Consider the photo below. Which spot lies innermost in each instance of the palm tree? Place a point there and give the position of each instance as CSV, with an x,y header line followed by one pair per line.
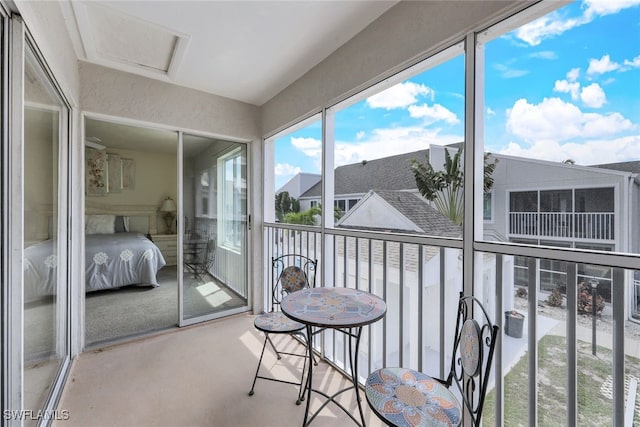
x,y
445,188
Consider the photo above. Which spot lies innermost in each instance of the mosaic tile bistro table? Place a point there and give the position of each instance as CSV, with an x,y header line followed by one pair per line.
x,y
343,309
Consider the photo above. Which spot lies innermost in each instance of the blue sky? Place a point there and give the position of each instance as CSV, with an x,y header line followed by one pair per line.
x,y
565,86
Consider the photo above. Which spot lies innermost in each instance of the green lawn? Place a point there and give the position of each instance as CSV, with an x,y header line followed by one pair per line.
x,y
594,408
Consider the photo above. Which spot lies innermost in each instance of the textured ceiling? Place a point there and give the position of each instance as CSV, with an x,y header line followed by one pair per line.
x,y
244,50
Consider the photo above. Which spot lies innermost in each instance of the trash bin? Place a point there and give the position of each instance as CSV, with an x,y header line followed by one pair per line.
x,y
513,323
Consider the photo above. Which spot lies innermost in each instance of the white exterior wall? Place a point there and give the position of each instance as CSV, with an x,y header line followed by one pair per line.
x,y
520,174
513,174
299,184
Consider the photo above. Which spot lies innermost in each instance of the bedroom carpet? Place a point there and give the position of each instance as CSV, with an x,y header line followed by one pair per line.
x,y
132,310
119,313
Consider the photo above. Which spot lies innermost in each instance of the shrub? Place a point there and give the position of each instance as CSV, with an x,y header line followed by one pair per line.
x,y
521,292
555,298
585,299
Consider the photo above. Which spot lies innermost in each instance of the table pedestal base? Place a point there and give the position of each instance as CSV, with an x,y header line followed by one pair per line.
x,y
353,365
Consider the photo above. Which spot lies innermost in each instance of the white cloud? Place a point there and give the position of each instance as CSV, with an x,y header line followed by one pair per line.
x,y
391,141
507,72
593,96
602,65
634,63
285,169
432,114
490,112
565,87
399,96
545,54
573,74
360,134
555,23
545,27
588,153
556,120
595,8
311,147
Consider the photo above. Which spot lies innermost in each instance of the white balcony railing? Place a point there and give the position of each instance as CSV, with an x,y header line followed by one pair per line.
x,y
579,225
408,275
419,277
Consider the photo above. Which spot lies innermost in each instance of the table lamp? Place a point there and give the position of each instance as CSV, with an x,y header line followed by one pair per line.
x,y
169,208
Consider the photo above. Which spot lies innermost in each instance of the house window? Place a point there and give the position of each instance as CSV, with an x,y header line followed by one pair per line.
x,y
204,192
595,200
231,199
487,211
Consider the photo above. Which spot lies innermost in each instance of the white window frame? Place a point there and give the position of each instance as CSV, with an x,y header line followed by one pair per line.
x,y
225,213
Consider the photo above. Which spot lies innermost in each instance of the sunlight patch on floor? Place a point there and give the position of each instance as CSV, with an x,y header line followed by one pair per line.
x,y
213,294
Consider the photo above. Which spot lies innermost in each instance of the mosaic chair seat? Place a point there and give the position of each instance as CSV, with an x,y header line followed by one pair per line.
x,y
405,397
289,273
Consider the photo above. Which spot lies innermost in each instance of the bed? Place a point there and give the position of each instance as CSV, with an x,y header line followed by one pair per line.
x,y
117,253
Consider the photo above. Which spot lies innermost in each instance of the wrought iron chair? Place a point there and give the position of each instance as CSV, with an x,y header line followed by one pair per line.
x,y
404,397
289,273
199,258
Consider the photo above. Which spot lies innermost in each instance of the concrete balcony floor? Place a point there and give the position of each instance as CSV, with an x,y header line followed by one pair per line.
x,y
197,376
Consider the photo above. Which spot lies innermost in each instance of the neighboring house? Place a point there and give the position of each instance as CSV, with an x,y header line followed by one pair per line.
x,y
353,181
400,211
584,207
300,183
562,204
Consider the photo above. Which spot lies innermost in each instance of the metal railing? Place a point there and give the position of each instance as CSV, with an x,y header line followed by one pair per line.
x,y
578,225
419,277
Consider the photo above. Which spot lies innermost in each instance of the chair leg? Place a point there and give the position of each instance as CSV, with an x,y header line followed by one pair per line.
x,y
274,348
304,382
303,390
264,345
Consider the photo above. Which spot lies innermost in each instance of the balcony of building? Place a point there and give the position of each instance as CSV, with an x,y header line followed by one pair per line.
x,y
579,225
560,363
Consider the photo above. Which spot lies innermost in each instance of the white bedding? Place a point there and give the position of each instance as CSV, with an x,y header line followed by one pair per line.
x,y
111,261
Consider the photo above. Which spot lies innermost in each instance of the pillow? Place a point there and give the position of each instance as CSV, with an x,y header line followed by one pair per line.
x,y
121,224
100,224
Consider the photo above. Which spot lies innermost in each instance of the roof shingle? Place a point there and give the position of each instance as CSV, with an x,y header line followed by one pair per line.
x,y
390,173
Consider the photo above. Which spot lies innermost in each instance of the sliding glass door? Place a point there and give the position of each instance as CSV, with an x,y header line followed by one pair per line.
x,y
131,187
45,341
214,224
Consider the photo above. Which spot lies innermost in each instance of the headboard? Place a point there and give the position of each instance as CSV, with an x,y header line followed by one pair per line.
x,y
142,218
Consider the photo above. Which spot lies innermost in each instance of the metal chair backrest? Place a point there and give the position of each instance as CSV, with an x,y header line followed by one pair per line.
x,y
290,273
473,348
210,253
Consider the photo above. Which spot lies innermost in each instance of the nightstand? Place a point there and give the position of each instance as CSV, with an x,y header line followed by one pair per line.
x,y
168,245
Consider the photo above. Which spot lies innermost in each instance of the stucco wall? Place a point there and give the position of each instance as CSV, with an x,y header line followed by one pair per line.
x,y
407,31
112,92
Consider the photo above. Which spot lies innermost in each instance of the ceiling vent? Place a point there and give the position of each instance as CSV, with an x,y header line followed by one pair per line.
x,y
114,39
